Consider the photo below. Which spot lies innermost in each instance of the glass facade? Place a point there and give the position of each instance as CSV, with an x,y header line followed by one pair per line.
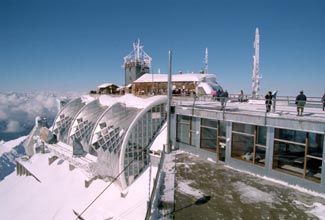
x,y
298,153
64,119
248,143
143,132
83,125
185,131
110,129
213,137
209,134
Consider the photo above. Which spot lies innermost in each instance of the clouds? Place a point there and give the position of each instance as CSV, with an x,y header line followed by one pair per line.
x,y
14,126
18,110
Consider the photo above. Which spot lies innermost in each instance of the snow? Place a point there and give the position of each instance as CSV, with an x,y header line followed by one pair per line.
x,y
184,186
301,189
250,194
104,85
186,77
161,139
317,209
9,145
129,100
61,191
87,99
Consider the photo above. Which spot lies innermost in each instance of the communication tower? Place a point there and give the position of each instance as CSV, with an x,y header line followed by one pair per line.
x,y
136,63
256,79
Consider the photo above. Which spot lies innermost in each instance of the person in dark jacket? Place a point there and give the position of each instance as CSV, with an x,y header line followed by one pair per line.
x,y
300,102
268,101
224,99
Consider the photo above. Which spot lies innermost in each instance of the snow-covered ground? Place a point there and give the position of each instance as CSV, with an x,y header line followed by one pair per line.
x,y
60,191
238,195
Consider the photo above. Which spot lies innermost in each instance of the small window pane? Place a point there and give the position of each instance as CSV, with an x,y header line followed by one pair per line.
x,y
289,157
242,147
223,127
315,146
243,128
290,135
209,123
261,135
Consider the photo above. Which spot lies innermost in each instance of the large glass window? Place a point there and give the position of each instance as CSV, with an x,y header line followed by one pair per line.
x,y
298,153
213,137
209,130
248,143
143,132
184,128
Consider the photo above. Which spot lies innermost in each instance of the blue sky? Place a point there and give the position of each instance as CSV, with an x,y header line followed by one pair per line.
x,y
75,45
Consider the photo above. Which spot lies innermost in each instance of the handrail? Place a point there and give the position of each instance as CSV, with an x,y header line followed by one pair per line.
x,y
155,184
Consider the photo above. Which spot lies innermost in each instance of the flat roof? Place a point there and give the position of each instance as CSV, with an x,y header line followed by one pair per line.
x,y
254,112
185,77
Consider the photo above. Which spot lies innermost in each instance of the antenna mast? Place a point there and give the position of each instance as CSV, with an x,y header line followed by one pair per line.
x,y
256,66
138,55
206,60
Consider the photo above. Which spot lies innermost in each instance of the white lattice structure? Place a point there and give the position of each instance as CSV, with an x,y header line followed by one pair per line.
x,y
138,55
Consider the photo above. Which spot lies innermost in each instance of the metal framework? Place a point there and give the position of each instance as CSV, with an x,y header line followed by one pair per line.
x,y
138,55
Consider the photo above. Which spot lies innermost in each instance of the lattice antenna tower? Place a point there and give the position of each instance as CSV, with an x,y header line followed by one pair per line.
x,y
138,55
256,78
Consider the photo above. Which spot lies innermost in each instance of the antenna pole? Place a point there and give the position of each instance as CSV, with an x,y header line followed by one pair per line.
x,y
256,66
169,92
206,60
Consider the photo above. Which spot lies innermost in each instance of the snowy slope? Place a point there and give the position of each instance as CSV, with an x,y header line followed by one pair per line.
x,y
60,191
9,151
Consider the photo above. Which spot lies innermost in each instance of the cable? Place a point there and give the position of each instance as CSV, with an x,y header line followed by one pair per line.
x,y
79,216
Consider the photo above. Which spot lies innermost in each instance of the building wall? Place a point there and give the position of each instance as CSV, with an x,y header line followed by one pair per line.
x,y
134,157
270,124
133,71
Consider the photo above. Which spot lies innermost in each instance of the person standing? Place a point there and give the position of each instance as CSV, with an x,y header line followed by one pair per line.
x,y
224,99
268,101
300,102
241,96
323,101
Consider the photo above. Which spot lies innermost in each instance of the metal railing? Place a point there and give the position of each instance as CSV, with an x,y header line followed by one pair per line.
x,y
281,105
155,184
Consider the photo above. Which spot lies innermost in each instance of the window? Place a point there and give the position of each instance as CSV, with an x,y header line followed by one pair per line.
x,y
209,133
183,133
137,148
222,133
298,153
249,143
213,137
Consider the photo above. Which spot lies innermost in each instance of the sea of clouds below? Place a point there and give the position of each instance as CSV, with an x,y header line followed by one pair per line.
x,y
18,111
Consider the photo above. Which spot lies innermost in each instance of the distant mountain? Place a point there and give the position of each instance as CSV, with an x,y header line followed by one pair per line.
x,y
9,152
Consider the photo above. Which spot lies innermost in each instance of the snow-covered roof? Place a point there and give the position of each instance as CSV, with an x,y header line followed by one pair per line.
x,y
185,77
129,100
104,85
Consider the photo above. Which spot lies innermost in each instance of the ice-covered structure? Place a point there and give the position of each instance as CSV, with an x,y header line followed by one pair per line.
x,y
108,135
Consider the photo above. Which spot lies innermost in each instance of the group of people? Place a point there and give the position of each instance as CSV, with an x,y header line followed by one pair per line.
x,y
300,102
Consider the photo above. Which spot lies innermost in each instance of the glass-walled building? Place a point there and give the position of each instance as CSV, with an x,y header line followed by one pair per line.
x,y
117,131
281,149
